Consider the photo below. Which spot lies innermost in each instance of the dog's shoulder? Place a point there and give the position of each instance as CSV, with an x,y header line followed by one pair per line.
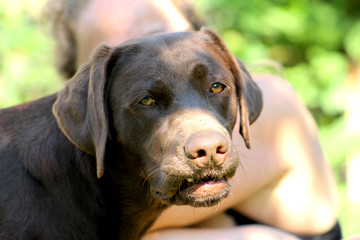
x,y
20,123
38,166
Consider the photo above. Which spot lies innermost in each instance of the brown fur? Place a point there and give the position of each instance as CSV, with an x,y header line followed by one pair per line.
x,y
51,148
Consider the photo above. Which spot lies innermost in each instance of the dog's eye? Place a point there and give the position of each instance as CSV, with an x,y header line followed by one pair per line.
x,y
217,88
147,101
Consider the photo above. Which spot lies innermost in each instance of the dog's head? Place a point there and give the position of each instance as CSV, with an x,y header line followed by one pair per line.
x,y
170,101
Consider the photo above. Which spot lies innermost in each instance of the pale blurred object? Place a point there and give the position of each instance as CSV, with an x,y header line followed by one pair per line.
x,y
352,130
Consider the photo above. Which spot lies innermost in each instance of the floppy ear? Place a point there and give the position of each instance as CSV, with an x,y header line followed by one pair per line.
x,y
250,101
249,94
81,109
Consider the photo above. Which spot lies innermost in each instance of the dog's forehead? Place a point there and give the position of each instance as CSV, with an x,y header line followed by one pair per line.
x,y
173,58
175,47
181,53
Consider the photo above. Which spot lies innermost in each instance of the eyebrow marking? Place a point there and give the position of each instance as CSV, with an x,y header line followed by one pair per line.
x,y
200,71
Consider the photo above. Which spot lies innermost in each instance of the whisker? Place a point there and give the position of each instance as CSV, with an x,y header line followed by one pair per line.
x,y
195,215
225,125
153,171
218,206
231,196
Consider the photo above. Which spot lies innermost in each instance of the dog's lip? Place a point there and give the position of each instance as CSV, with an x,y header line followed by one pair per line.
x,y
204,192
197,189
190,183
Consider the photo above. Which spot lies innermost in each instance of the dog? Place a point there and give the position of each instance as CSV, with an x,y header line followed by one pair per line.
x,y
144,125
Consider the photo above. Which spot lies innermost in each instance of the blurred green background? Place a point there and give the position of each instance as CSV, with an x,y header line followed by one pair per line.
x,y
26,53
317,44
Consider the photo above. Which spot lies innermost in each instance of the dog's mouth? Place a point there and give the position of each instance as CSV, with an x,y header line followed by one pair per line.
x,y
202,192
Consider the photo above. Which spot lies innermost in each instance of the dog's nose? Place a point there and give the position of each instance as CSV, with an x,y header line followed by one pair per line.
x,y
206,149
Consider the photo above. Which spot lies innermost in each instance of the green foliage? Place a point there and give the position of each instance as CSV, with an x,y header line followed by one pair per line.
x,y
26,56
348,214
352,41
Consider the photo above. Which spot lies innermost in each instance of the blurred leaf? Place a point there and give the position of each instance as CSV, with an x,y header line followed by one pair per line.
x,y
330,67
303,81
284,20
325,25
235,41
286,54
352,42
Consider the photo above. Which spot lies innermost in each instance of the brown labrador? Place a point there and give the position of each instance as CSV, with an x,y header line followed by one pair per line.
x,y
152,116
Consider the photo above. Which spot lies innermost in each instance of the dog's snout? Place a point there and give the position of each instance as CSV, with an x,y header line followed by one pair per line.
x,y
207,149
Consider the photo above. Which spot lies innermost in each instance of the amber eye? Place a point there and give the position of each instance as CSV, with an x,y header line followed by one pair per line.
x,y
147,101
217,88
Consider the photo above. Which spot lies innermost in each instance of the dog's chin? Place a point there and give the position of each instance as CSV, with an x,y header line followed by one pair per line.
x,y
198,193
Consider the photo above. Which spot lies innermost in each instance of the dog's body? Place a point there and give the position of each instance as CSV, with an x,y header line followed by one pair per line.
x,y
156,113
49,189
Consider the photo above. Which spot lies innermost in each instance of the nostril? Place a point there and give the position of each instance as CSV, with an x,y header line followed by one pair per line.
x,y
221,150
201,153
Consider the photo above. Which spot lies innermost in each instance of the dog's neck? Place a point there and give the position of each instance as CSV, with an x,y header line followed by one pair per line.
x,y
130,216
140,222
127,198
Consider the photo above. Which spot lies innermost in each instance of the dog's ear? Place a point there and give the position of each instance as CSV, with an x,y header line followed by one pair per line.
x,y
81,109
250,100
249,94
